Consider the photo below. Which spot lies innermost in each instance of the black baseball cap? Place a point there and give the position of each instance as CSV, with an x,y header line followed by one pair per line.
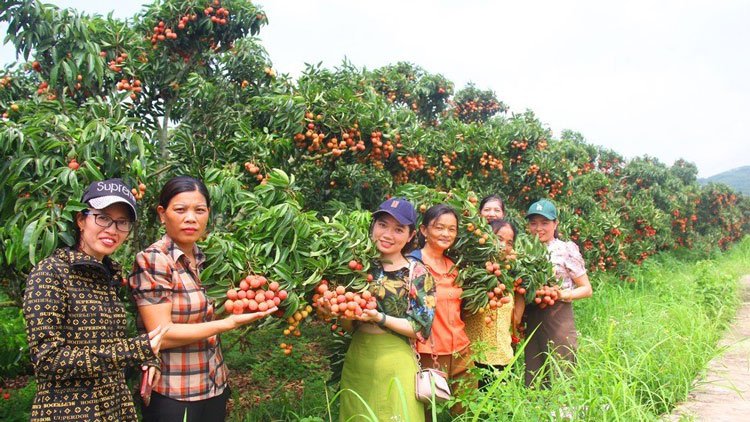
x,y
400,209
100,195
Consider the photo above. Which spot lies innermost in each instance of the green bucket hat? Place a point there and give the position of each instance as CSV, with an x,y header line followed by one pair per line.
x,y
543,207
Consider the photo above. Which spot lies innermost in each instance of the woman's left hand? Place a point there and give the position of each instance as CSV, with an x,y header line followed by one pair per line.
x,y
154,374
370,315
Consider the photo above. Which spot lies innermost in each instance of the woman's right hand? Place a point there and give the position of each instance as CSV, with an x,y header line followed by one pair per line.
x,y
155,336
238,320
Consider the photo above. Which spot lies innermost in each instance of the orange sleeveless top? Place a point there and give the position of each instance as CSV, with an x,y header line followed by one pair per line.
x,y
448,333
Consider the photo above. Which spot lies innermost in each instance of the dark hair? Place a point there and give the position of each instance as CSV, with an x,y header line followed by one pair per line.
x,y
490,198
499,224
433,213
412,228
180,184
77,230
556,234
76,234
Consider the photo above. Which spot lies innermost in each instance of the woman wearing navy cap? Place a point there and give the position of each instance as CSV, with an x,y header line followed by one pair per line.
x,y
75,323
553,329
380,352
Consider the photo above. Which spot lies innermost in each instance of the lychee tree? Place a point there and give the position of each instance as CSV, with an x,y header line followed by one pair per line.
x,y
185,88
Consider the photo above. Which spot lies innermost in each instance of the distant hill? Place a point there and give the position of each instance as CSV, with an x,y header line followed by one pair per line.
x,y
738,178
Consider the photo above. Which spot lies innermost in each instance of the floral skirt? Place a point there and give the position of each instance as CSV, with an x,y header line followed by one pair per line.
x,y
377,382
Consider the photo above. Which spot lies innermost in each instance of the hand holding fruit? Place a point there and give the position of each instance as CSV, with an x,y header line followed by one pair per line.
x,y
251,297
238,320
340,303
546,296
370,315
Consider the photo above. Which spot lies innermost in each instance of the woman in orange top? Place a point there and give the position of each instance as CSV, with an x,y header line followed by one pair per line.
x,y
448,347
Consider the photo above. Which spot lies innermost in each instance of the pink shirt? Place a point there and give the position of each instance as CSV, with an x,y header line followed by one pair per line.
x,y
567,261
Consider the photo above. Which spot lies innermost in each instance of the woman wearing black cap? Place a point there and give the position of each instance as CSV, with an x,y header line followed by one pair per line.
x,y
553,329
75,322
380,352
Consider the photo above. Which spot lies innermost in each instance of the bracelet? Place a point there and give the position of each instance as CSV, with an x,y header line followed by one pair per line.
x,y
381,323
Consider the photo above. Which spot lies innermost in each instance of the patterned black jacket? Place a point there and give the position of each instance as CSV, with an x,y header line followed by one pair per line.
x,y
75,325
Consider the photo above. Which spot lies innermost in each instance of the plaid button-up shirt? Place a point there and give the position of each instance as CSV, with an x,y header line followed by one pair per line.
x,y
162,274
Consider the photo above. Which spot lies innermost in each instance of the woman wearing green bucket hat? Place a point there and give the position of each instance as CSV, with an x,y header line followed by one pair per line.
x,y
553,327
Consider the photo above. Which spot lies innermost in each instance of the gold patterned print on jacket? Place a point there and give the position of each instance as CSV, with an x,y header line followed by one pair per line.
x,y
75,325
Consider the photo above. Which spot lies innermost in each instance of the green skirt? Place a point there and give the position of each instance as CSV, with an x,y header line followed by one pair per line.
x,y
372,365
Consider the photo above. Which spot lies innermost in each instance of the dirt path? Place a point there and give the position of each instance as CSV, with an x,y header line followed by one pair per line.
x,y
723,394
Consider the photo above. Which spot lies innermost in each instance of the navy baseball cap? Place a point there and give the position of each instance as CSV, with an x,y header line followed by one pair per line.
x,y
400,209
100,195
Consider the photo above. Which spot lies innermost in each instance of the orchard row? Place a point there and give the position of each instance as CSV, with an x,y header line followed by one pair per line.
x,y
186,89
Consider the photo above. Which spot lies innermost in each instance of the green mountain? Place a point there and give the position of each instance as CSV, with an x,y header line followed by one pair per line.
x,y
738,178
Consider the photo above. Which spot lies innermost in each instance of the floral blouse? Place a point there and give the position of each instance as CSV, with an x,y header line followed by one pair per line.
x,y
567,260
390,289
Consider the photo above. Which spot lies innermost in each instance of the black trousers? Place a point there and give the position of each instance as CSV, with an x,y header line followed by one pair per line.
x,y
487,378
165,409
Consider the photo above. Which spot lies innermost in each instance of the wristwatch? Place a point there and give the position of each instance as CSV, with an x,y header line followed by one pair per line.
x,y
381,323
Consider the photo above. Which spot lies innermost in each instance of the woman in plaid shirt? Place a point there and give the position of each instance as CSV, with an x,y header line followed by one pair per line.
x,y
167,289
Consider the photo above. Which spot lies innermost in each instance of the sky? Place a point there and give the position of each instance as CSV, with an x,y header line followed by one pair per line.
x,y
666,78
